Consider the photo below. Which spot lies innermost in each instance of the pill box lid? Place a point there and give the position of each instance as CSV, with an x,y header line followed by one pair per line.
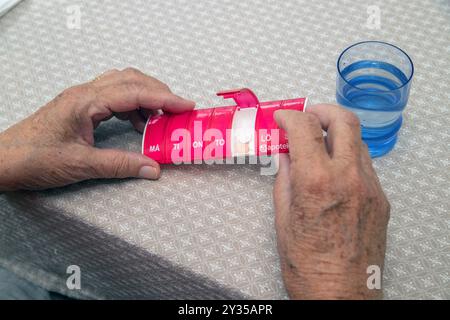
x,y
244,98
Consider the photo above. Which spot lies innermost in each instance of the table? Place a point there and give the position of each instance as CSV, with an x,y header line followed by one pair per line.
x,y
207,232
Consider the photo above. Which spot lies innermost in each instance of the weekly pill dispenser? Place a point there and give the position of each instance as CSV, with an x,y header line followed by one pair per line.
x,y
245,129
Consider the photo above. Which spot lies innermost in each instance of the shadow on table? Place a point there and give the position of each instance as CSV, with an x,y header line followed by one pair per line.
x,y
45,243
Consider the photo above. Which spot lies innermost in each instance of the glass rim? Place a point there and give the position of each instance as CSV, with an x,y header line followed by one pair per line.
x,y
380,42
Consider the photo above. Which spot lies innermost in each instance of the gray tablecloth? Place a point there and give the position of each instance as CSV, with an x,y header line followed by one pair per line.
x,y
207,232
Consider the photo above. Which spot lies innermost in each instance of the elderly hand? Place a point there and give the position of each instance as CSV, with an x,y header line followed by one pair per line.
x,y
331,212
55,146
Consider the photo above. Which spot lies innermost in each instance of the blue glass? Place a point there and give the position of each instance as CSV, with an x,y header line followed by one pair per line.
x,y
374,81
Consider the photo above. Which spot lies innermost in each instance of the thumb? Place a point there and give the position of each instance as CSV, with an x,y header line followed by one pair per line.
x,y
111,164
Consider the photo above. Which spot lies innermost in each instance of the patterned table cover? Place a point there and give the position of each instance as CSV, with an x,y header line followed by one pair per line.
x,y
207,232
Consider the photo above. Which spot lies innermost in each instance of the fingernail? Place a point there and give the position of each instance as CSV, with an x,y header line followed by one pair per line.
x,y
149,173
277,114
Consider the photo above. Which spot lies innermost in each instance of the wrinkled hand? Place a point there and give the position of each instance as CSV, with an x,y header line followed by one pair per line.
x,y
331,212
55,146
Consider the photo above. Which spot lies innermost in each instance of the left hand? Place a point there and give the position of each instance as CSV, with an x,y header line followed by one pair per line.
x,y
55,146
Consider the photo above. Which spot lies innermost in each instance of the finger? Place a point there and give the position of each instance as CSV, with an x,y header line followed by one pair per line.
x,y
133,77
123,91
126,97
128,75
343,129
111,164
306,142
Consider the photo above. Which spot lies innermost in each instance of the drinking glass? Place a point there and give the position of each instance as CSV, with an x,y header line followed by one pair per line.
x,y
374,81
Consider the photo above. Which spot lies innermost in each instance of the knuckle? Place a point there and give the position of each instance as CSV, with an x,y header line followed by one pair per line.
x,y
310,119
131,70
74,92
164,87
133,86
132,73
112,71
356,184
74,96
351,119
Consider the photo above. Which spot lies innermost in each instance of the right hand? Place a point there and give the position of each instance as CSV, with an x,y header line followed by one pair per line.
x,y
331,212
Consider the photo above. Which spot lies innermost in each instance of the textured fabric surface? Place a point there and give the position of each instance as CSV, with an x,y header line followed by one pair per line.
x,y
207,232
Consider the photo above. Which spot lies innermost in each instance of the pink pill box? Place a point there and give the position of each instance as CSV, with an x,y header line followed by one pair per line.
x,y
245,129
